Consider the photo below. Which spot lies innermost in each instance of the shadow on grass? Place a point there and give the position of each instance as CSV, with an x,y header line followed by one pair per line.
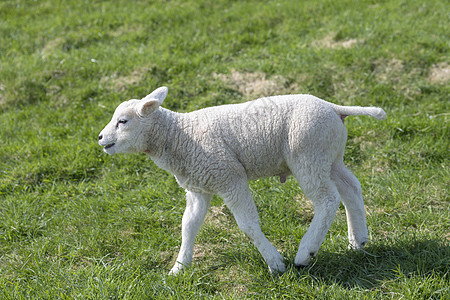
x,y
380,262
367,269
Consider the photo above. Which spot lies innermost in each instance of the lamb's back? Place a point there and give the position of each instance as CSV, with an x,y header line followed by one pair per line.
x,y
260,134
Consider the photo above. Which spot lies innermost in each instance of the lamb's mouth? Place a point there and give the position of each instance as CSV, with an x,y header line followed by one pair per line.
x,y
109,146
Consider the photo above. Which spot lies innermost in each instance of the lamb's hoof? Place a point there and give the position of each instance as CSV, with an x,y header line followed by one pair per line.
x,y
278,271
277,265
173,272
176,269
357,246
303,259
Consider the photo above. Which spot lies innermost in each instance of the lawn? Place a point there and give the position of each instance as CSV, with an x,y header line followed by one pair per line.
x,y
76,223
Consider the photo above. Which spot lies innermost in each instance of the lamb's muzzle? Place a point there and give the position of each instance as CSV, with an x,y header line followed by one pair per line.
x,y
217,150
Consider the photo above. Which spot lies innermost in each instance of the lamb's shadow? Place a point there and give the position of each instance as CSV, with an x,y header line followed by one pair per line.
x,y
367,269
381,262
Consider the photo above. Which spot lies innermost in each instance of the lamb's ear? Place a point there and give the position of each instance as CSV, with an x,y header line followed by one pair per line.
x,y
145,107
151,102
158,94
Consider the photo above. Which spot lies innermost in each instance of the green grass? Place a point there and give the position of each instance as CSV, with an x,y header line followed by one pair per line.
x,y
78,224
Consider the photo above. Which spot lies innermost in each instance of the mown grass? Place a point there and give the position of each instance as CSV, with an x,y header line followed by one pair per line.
x,y
75,223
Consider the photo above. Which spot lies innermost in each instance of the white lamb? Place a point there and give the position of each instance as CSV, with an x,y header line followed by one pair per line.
x,y
217,150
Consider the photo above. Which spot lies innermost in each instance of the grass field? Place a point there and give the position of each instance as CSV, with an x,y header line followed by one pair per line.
x,y
76,223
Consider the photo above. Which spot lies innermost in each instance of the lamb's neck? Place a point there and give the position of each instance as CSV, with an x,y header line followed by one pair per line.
x,y
163,131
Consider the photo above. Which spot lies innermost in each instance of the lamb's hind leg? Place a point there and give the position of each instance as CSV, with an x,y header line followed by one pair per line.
x,y
325,198
196,207
241,204
350,190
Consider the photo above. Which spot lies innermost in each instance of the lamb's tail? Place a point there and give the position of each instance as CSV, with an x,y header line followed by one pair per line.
x,y
343,111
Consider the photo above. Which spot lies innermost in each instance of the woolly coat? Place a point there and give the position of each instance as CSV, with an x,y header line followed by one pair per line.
x,y
210,148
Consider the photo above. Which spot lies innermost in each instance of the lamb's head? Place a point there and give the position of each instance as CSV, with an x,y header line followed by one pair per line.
x,y
122,134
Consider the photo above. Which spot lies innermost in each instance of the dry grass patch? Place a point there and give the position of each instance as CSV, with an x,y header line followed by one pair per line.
x,y
447,236
235,281
127,29
128,233
120,83
256,84
10,262
219,216
305,208
439,73
201,251
329,41
394,72
375,210
387,70
51,46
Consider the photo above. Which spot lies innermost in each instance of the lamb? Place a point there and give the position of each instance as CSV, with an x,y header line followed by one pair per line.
x,y
217,150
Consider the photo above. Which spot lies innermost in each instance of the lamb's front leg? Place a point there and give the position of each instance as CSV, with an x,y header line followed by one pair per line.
x,y
197,205
241,204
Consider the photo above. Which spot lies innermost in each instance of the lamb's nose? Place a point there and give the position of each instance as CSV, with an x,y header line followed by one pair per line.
x,y
100,137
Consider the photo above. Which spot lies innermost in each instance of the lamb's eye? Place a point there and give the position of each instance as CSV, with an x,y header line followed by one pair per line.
x,y
121,121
